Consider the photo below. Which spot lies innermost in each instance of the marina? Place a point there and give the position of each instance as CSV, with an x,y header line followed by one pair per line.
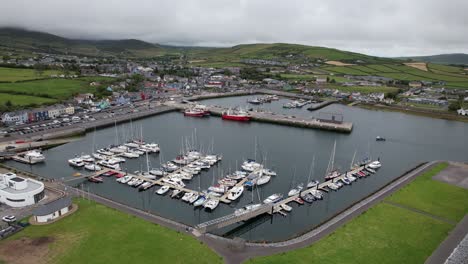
x,y
397,154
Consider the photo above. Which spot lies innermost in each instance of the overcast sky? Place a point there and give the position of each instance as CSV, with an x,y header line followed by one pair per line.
x,y
377,27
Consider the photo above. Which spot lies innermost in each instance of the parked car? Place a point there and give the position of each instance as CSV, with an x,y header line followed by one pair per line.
x,y
9,218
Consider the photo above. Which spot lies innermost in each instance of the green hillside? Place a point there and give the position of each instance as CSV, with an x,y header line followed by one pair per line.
x,y
277,52
44,42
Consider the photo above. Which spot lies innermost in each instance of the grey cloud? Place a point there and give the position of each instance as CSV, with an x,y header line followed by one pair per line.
x,y
383,28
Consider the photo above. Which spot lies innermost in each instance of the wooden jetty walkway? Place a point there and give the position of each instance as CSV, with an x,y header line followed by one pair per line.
x,y
288,120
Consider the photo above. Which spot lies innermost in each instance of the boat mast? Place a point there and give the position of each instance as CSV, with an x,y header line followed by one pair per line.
x,y
332,159
311,168
352,161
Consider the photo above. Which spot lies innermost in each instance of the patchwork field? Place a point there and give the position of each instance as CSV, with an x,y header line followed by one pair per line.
x,y
14,74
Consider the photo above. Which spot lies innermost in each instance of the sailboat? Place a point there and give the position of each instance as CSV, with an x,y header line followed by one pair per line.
x,y
331,172
93,166
314,183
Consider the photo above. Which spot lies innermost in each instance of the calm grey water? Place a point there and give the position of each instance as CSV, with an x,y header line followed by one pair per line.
x,y
410,140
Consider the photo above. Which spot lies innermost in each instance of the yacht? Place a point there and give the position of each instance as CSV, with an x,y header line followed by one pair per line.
x,y
87,158
264,179
109,165
92,167
157,172
211,204
237,175
174,181
105,152
99,156
296,190
170,167
34,156
370,170
145,186
273,198
130,155
235,193
193,198
187,196
125,179
375,164
313,184
269,172
164,189
200,201
76,162
333,186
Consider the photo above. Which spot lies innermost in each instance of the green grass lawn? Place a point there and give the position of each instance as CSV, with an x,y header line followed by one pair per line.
x,y
24,100
98,234
16,74
434,197
386,233
56,88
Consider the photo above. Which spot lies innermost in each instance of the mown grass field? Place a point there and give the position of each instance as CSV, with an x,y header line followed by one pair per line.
x,y
55,88
24,100
387,233
16,74
98,234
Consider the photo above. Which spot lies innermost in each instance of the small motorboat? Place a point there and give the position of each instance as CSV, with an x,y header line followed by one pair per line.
x,y
187,196
164,189
268,172
346,181
379,138
96,179
200,201
76,162
299,200
286,207
125,179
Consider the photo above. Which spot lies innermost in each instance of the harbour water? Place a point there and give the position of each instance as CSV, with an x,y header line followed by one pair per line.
x,y
287,150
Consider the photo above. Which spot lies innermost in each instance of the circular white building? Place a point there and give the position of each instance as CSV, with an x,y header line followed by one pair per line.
x,y
17,191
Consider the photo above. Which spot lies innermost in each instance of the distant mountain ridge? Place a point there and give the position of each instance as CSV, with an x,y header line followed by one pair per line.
x,y
40,41
45,42
454,58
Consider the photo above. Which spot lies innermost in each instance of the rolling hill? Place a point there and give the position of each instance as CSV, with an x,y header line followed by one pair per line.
x,y
455,58
45,42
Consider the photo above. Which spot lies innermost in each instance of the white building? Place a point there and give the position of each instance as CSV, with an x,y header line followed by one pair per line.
x,y
17,191
52,210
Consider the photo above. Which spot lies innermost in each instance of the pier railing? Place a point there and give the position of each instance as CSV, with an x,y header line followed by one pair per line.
x,y
233,218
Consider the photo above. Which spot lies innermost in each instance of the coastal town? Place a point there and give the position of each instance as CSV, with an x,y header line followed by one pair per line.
x,y
190,133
